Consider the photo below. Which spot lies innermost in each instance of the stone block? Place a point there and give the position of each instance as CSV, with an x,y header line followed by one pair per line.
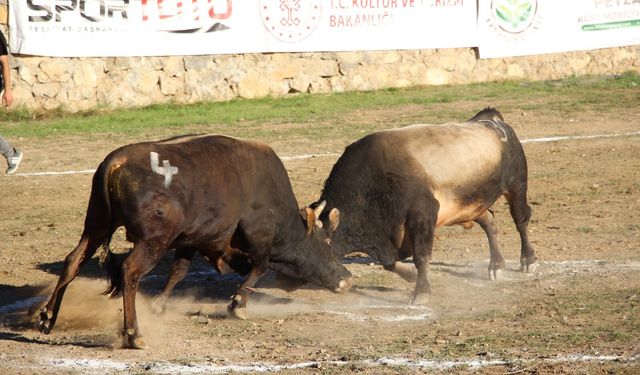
x,y
173,66
54,70
85,75
198,63
47,90
514,71
252,85
437,76
170,85
301,83
318,67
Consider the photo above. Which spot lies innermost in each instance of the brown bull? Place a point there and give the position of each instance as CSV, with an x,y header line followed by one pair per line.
x,y
216,195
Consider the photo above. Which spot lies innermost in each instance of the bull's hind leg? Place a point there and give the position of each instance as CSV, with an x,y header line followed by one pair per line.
x,y
144,256
496,262
179,269
80,255
521,214
421,225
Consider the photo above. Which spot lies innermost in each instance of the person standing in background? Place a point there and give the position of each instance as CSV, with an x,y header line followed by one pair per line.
x,y
13,155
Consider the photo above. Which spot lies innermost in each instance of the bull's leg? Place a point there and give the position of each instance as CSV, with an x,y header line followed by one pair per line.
x,y
496,261
179,269
421,225
238,306
142,259
257,230
82,253
521,214
234,260
404,270
404,246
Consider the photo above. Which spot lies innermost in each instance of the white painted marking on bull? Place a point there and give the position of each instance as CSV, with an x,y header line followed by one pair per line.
x,y
498,125
167,170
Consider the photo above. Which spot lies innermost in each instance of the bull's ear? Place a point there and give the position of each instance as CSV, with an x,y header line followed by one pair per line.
x,y
334,219
309,218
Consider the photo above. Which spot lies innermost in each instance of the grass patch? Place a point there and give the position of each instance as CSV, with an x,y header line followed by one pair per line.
x,y
238,116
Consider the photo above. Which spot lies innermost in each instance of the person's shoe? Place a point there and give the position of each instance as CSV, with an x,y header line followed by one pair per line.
x,y
14,162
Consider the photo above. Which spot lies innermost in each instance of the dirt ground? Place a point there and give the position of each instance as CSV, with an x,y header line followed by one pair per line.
x,y
578,313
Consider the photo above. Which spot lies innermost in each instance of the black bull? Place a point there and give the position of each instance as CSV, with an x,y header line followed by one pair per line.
x,y
396,186
216,195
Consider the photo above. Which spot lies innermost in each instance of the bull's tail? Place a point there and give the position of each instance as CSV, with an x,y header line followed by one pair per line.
x,y
112,263
105,183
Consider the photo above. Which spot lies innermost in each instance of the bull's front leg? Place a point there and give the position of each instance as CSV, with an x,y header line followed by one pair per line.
x,y
238,306
260,261
421,225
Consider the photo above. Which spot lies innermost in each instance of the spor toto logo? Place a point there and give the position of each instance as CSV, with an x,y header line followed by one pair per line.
x,y
290,20
514,16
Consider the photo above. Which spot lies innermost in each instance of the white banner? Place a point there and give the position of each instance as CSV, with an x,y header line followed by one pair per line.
x,y
528,27
68,28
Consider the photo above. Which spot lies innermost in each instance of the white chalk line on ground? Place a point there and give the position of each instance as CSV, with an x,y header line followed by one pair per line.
x,y
90,366
309,156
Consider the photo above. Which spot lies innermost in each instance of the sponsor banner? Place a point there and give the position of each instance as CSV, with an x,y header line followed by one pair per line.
x,y
527,27
193,27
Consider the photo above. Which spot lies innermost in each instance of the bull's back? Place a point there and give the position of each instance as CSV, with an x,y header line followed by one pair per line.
x,y
463,165
203,176
460,163
454,154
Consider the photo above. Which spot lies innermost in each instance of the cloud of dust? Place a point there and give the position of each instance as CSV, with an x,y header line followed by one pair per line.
x,y
84,307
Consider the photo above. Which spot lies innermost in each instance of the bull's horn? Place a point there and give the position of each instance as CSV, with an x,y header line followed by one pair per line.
x,y
318,210
309,218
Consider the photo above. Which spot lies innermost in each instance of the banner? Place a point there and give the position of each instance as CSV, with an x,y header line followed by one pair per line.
x,y
527,27
70,28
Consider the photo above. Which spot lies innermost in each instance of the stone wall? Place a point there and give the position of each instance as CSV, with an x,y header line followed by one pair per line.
x,y
83,83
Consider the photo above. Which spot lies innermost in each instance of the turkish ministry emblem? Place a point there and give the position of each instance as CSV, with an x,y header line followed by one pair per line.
x,y
290,20
514,16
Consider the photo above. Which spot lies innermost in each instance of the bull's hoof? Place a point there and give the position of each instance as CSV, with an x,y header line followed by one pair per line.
x,y
528,264
344,285
494,274
158,305
239,313
44,322
495,268
237,308
132,342
420,294
528,268
419,299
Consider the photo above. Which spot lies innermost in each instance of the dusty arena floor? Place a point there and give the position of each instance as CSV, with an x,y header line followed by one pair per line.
x,y
579,312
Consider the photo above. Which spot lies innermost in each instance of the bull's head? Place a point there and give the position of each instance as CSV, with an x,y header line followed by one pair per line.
x,y
319,264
